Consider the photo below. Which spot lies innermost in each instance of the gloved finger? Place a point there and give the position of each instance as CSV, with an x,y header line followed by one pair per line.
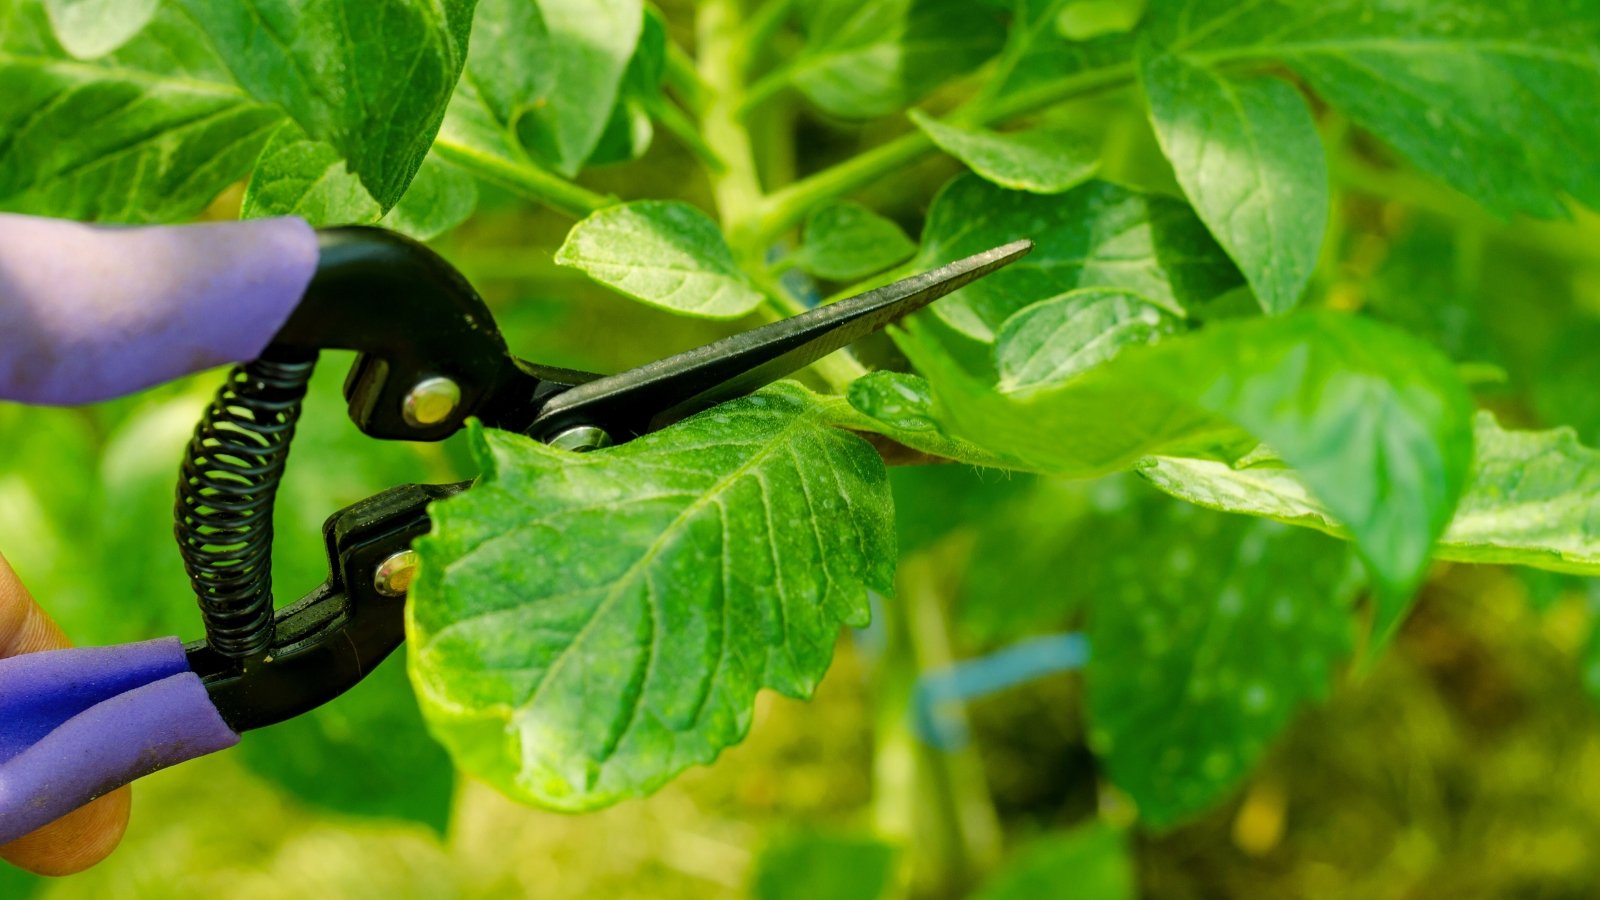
x,y
91,312
81,838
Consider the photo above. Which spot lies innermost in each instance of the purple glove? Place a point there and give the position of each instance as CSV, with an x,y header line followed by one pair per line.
x,y
91,312
78,724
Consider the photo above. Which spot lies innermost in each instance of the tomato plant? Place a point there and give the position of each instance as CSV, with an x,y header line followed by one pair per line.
x,y
1310,310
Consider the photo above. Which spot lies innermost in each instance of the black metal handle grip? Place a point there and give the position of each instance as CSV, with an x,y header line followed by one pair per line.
x,y
226,492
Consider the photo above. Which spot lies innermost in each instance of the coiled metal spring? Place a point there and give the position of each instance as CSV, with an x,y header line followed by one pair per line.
x,y
226,489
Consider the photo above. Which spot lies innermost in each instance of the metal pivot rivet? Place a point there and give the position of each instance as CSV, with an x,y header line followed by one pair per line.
x,y
394,574
581,439
431,401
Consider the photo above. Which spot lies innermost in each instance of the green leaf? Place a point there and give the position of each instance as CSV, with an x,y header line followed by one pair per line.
x,y
155,130
439,198
863,60
1378,425
371,82
1248,155
1082,20
297,176
584,627
630,130
845,241
810,866
665,253
149,133
543,76
1093,859
91,28
1096,235
899,406
1204,656
1048,51
1533,499
1491,98
1098,530
1049,342
1044,160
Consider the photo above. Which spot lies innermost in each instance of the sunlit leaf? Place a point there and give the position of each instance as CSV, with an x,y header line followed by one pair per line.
x,y
871,59
1043,160
149,133
1492,98
1533,498
1248,155
372,81
665,253
91,28
630,130
154,130
542,77
1049,342
585,627
1082,20
439,198
297,176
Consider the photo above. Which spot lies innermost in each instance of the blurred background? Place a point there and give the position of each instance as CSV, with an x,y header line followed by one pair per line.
x,y
947,743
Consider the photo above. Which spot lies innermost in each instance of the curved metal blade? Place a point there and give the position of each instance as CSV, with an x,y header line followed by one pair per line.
x,y
657,394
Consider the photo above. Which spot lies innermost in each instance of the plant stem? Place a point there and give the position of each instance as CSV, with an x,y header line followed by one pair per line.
x,y
528,180
724,58
683,79
784,209
937,802
683,128
765,88
724,55
763,24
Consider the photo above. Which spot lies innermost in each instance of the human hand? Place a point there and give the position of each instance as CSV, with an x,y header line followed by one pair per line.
x,y
79,839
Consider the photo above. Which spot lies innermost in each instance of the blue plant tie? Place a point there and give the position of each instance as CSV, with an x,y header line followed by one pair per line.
x,y
936,700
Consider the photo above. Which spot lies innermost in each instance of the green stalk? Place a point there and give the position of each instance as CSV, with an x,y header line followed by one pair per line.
x,y
724,55
684,80
936,803
785,208
686,131
528,180
765,88
724,58
764,23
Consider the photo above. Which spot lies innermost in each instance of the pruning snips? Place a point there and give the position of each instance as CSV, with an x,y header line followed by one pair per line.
x,y
90,312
